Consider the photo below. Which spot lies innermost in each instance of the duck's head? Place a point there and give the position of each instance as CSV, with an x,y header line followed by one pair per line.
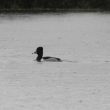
x,y
39,52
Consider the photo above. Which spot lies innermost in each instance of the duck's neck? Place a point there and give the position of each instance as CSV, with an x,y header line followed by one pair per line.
x,y
39,57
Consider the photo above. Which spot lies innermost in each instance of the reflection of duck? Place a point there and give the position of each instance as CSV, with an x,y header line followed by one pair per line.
x,y
39,52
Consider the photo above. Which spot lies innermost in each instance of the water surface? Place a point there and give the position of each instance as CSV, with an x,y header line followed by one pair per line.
x,y
83,38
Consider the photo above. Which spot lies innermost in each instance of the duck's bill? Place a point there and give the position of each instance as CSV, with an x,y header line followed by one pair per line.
x,y
34,53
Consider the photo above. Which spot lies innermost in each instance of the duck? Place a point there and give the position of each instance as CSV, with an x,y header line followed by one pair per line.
x,y
39,52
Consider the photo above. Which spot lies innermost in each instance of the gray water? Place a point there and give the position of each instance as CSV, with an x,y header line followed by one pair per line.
x,y
81,84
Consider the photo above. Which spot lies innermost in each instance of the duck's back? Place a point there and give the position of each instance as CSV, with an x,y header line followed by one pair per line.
x,y
52,59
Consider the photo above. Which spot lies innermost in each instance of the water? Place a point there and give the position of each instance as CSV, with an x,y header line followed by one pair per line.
x,y
82,84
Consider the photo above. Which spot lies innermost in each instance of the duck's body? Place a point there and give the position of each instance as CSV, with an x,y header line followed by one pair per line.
x,y
51,59
40,57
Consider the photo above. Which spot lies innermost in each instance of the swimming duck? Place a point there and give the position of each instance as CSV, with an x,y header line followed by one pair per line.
x,y
39,52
